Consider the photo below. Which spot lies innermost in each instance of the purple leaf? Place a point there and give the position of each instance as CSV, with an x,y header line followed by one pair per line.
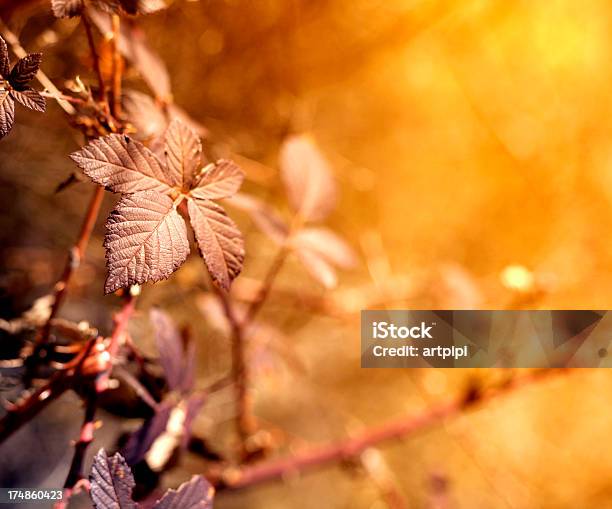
x,y
142,439
170,347
111,482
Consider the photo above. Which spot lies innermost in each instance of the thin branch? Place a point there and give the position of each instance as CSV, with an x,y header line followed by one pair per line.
x,y
95,57
116,105
42,78
350,448
75,473
74,259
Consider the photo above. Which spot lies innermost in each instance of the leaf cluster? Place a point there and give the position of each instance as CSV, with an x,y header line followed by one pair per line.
x,y
146,238
14,86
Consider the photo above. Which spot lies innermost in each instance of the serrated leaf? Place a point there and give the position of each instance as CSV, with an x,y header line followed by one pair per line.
x,y
183,151
142,112
146,240
195,494
170,347
142,439
4,59
264,216
122,164
327,244
111,482
66,8
308,179
7,112
220,180
24,70
219,240
29,98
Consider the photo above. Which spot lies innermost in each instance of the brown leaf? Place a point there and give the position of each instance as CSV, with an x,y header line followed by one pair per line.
x,y
134,47
220,180
7,112
308,179
111,482
195,494
142,112
326,244
29,98
146,240
4,59
122,164
264,216
66,8
24,70
219,240
183,151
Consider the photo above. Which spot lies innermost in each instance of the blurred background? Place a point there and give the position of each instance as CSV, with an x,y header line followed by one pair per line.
x,y
471,145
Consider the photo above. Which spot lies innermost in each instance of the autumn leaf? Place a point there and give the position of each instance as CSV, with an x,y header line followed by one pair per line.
x,y
146,240
146,237
183,151
308,179
111,482
219,240
262,214
143,114
122,165
14,87
195,494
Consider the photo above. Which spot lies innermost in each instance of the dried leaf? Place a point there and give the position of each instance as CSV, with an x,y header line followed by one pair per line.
x,y
134,47
24,70
264,216
183,151
29,98
142,112
66,8
122,164
326,244
308,179
146,240
7,112
319,268
4,59
142,439
170,347
111,482
219,240
195,494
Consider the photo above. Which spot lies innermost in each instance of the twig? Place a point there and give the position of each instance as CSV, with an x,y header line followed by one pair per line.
x,y
95,57
74,259
29,407
75,473
240,376
42,78
116,106
121,320
350,448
